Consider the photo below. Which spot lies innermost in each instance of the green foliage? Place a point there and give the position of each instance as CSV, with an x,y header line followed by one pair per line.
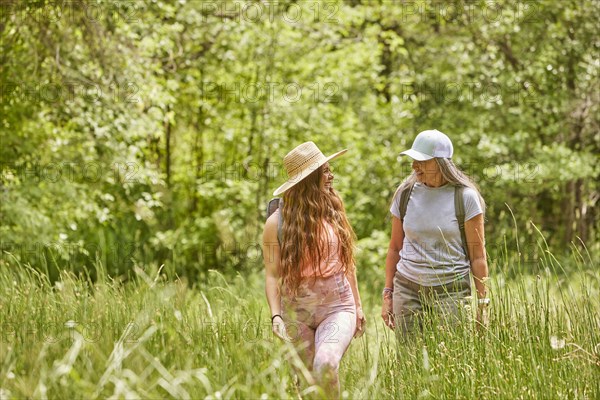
x,y
136,132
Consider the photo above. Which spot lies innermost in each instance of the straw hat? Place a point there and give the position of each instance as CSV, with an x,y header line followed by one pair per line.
x,y
301,162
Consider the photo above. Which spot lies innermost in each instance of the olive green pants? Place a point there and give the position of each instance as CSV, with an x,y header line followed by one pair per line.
x,y
415,305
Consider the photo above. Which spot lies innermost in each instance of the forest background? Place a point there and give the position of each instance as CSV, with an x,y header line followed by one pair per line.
x,y
154,132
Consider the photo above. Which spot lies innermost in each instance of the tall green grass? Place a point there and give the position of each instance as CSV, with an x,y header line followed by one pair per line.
x,y
157,336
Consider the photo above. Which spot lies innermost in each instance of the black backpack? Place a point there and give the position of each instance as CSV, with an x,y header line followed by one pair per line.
x,y
459,208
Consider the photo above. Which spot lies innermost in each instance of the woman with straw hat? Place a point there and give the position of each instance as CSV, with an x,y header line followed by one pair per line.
x,y
310,275
437,241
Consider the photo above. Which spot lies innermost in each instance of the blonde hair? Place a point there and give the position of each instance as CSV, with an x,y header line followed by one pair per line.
x,y
306,206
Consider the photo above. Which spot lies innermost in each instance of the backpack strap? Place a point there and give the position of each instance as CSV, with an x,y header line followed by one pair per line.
x,y
272,206
404,198
280,223
459,209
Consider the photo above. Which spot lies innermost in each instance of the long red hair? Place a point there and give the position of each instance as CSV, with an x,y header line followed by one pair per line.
x,y
306,206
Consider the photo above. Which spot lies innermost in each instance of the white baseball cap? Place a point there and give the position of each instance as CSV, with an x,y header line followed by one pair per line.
x,y
430,144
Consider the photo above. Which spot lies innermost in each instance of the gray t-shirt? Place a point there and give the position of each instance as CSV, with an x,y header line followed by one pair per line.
x,y
432,253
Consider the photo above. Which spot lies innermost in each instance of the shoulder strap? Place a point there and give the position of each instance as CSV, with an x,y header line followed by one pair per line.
x,y
459,209
272,206
280,223
404,198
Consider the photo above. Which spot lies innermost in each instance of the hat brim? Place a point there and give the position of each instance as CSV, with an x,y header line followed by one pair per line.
x,y
417,155
303,174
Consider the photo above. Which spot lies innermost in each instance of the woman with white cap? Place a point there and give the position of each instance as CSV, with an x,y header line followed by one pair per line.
x,y
437,240
310,282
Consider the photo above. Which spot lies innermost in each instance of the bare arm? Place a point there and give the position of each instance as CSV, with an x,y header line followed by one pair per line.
x,y
474,231
271,259
393,256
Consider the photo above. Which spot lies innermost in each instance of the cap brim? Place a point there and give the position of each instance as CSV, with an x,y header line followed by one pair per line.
x,y
416,155
299,177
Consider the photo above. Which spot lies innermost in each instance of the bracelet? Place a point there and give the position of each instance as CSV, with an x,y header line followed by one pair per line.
x,y
387,290
484,301
273,317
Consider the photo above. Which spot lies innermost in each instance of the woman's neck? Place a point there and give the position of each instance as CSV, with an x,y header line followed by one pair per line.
x,y
437,182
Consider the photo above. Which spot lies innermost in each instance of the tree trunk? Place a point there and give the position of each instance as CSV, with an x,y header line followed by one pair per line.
x,y
568,211
198,156
167,125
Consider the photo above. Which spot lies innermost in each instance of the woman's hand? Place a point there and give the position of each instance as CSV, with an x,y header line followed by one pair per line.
x,y
278,327
361,322
387,310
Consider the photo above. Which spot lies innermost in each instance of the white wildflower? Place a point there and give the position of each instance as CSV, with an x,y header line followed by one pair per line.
x,y
178,315
557,343
425,359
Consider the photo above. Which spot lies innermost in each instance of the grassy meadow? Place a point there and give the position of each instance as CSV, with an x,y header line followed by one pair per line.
x,y
140,142
157,336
